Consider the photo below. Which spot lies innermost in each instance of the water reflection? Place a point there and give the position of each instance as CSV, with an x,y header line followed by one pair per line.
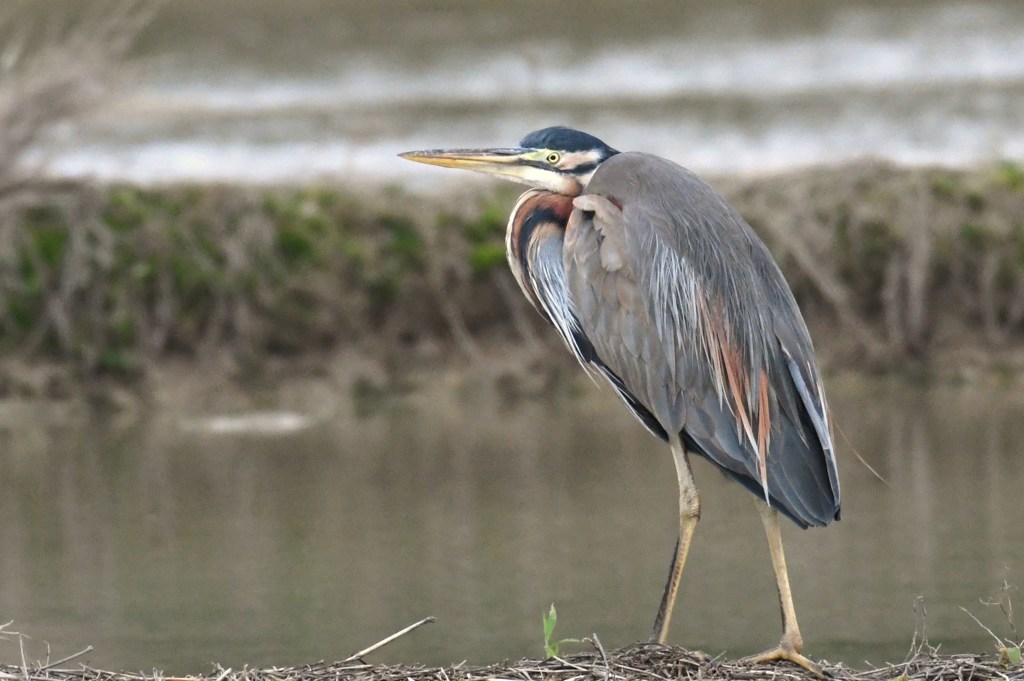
x,y
166,546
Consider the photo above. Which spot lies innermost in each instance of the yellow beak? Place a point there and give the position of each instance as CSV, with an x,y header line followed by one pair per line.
x,y
524,166
509,162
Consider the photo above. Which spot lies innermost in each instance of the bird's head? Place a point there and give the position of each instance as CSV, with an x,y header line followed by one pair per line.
x,y
557,159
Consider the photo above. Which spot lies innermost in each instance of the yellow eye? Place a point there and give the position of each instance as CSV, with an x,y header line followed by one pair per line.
x,y
553,158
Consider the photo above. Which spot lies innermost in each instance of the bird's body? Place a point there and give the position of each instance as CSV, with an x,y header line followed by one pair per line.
x,y
689,344
655,283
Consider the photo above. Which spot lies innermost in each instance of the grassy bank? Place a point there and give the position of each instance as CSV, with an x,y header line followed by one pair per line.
x,y
891,267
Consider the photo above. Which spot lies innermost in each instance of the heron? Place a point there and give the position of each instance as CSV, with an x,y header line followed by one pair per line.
x,y
657,285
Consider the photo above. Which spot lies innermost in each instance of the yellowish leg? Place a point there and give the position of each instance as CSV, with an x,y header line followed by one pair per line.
x,y
792,644
689,514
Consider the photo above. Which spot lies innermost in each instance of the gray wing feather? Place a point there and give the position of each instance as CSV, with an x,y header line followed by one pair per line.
x,y
612,310
547,279
547,276
684,303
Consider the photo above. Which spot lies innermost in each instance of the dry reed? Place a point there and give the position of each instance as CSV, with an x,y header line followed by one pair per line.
x,y
647,661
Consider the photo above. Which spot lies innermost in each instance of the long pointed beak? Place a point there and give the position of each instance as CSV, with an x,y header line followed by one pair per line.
x,y
511,163
502,161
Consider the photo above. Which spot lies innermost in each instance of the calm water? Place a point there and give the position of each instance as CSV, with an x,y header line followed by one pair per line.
x,y
176,542
261,90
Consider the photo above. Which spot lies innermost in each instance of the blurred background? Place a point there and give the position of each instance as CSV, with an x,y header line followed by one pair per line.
x,y
269,92
284,519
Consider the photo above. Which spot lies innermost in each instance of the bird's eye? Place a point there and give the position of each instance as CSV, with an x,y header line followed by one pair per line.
x,y
553,158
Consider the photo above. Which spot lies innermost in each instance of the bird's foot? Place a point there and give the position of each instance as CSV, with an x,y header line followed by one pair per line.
x,y
789,653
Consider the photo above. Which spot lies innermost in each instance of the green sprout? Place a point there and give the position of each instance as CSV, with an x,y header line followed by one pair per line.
x,y
1009,656
553,648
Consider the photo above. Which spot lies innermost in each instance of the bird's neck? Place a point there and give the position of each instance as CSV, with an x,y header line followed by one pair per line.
x,y
535,211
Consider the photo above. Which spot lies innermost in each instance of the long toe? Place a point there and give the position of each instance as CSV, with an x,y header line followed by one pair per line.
x,y
783,652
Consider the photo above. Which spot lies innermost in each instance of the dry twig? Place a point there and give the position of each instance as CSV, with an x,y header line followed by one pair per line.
x,y
383,642
640,661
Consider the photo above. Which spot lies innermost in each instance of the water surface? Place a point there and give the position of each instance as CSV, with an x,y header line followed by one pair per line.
x,y
263,91
168,544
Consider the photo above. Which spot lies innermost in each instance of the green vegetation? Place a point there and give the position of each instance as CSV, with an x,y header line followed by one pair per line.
x,y
109,279
889,265
553,648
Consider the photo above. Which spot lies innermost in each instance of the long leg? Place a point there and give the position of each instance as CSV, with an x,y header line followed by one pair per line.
x,y
792,643
689,514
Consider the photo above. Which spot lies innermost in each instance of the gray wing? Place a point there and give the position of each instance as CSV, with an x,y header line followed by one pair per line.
x,y
684,305
547,280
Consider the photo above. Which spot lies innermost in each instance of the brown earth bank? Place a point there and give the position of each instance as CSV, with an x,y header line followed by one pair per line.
x,y
113,289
